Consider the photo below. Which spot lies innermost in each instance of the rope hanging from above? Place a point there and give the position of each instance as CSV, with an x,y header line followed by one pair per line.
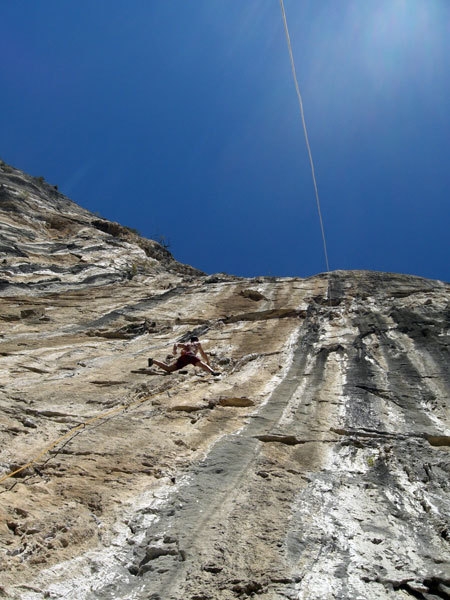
x,y
302,114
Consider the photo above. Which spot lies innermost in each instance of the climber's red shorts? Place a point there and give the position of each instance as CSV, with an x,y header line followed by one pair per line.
x,y
187,359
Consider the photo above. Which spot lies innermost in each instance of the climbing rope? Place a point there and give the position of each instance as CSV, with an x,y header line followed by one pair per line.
x,y
75,430
302,114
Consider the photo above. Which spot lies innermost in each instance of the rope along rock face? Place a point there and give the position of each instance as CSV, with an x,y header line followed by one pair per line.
x,y
315,467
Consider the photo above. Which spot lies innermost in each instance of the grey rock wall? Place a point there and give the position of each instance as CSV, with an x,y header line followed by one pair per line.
x,y
316,466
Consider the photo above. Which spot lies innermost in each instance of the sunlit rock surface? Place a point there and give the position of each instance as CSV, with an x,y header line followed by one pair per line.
x,y
315,467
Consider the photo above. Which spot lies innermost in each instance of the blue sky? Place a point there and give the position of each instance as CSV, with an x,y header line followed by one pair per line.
x,y
179,118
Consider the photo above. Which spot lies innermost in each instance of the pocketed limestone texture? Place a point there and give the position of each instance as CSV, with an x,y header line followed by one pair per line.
x,y
315,467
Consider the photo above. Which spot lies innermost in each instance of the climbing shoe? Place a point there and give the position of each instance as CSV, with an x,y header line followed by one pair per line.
x,y
150,362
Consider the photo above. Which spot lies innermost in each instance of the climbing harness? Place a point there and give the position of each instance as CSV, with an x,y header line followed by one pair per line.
x,y
302,114
67,436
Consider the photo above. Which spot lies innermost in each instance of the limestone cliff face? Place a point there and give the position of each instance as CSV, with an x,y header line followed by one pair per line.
x,y
315,467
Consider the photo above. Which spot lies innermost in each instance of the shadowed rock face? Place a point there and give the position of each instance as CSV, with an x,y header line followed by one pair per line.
x,y
316,467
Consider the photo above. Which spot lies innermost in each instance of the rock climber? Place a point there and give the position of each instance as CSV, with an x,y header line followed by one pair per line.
x,y
189,351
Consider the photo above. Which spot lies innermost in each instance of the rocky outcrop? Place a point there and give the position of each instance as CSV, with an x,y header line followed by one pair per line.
x,y
50,242
316,466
